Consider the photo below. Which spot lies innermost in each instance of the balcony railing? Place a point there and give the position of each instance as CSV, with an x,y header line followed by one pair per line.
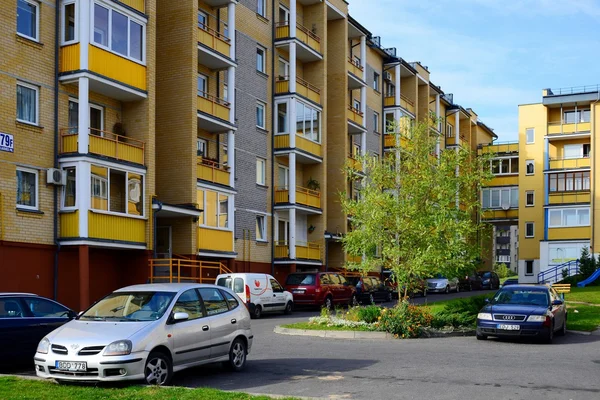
x,y
309,146
407,103
185,270
355,115
211,239
304,196
303,88
136,4
388,101
354,67
569,163
572,90
354,163
500,214
115,227
569,197
504,147
303,34
105,144
214,40
212,171
213,106
560,128
304,250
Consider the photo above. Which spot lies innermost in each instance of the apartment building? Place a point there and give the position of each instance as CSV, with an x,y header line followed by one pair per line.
x,y
557,208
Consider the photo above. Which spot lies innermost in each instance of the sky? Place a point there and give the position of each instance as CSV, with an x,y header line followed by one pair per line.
x,y
492,54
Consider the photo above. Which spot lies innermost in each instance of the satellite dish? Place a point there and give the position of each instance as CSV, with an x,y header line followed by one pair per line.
x,y
505,207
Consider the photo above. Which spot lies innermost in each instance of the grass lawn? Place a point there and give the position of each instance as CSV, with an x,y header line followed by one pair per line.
x,y
587,319
590,294
315,327
437,306
25,389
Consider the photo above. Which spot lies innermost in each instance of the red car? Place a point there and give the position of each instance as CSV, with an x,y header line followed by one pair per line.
x,y
325,289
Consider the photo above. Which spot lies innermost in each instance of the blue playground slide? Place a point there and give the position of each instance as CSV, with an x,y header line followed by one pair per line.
x,y
589,280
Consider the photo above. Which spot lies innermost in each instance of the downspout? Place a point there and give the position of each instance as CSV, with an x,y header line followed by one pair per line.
x,y
273,128
592,212
55,213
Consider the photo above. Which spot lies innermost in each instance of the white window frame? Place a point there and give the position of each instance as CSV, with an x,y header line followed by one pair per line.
x,y
306,123
533,229
126,189
261,222
527,193
449,131
376,77
64,189
286,67
261,4
263,67
204,144
375,121
286,174
63,16
206,22
35,207
130,18
261,171
286,12
202,219
489,206
578,147
205,89
563,223
37,21
527,131
260,106
356,104
511,160
37,103
282,236
527,162
94,106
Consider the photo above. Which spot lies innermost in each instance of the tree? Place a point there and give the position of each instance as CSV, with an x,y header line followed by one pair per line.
x,y
417,209
587,263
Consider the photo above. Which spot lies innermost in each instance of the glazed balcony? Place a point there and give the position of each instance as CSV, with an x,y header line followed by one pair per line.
x,y
215,46
582,197
304,250
282,142
559,128
310,44
569,163
303,88
304,196
212,239
212,171
355,76
103,143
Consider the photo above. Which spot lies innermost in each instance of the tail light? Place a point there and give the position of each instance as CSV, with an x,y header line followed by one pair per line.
x,y
247,294
547,322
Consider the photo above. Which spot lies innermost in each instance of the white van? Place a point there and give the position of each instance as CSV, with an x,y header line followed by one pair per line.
x,y
260,292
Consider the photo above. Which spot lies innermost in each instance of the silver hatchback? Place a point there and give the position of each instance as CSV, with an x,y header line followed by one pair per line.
x,y
148,332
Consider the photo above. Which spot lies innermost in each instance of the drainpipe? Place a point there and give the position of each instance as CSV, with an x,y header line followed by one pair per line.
x,y
154,218
593,166
55,212
273,32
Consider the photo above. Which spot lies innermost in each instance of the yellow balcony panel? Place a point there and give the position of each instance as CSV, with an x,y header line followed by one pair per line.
x,y
215,240
117,68
353,259
214,106
282,195
500,180
509,147
282,141
569,163
69,224
355,115
500,214
308,251
214,40
558,128
282,249
68,141
116,227
136,4
569,197
307,37
388,101
304,35
282,85
581,232
307,90
407,103
212,171
308,145
355,68
389,140
105,144
308,197
355,164
282,30
69,58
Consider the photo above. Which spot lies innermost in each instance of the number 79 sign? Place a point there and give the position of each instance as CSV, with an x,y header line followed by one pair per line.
x,y
7,142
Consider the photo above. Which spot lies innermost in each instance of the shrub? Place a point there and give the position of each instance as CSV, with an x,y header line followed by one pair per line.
x,y
460,313
502,270
587,263
405,320
369,314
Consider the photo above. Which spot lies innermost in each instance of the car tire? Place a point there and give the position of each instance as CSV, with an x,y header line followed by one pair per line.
x,y
563,329
550,336
480,337
257,313
371,298
447,289
288,308
328,303
159,369
237,355
457,288
470,287
353,301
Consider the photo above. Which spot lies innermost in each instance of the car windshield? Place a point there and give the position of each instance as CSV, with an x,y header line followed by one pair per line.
x,y
486,274
300,279
130,306
530,297
439,276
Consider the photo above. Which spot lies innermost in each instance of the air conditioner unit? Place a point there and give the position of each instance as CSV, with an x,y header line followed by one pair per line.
x,y
56,176
387,76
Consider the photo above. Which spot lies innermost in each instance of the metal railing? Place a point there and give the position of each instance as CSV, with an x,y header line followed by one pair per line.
x,y
213,33
301,28
555,274
355,62
185,270
214,99
573,90
109,145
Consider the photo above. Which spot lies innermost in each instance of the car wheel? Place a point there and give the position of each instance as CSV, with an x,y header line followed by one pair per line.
x,y
563,330
457,288
328,304
447,289
353,301
371,299
237,355
550,337
288,308
481,337
257,312
158,370
470,287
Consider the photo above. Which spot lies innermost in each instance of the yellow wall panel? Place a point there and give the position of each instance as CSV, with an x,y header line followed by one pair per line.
x,y
117,68
583,232
115,227
69,224
213,239
69,58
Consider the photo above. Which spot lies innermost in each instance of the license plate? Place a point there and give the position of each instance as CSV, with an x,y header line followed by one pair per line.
x,y
509,327
297,291
74,366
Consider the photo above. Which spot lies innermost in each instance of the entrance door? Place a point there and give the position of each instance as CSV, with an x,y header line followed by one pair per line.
x,y
163,242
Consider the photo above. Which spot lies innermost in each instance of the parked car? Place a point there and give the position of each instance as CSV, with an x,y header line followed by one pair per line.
x,y
523,311
471,282
441,284
260,292
370,289
25,319
320,289
490,280
510,281
148,332
416,287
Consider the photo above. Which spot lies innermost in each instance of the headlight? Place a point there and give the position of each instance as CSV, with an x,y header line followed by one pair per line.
x,y
118,348
536,318
486,281
484,316
43,346
441,284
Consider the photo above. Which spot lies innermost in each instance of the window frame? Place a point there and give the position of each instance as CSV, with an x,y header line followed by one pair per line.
x,y
261,166
376,85
260,106
499,190
261,221
376,122
36,89
449,130
529,162
263,4
126,192
36,173
263,67
37,21
204,143
553,179
63,21
511,160
308,124
64,189
202,219
532,224
527,193
562,217
526,269
527,130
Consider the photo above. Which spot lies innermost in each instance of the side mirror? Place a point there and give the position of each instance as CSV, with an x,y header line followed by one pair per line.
x,y
180,317
557,302
486,301
80,313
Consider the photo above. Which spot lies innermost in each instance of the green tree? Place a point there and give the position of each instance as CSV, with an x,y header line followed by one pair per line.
x,y
587,263
417,209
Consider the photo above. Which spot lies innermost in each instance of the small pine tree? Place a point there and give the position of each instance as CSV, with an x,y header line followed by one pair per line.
x,y
587,263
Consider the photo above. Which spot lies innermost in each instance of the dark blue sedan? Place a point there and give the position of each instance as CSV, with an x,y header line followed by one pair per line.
x,y
523,311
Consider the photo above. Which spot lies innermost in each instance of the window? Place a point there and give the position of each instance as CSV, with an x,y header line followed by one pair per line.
x,y
260,115
308,122
283,69
390,90
529,267
282,118
574,117
117,191
231,301
261,230
27,189
449,131
505,166
261,8
506,197
356,104
28,17
118,33
215,206
189,303
529,198
201,147
213,300
529,229
568,217
389,123
503,258
376,81
96,117
45,308
570,181
529,167
260,59
375,122
11,308
68,23
277,288
202,20
202,85
69,191
261,171
284,14
530,135
27,103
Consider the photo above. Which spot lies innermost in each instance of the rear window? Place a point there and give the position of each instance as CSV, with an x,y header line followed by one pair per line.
x,y
487,274
237,284
300,279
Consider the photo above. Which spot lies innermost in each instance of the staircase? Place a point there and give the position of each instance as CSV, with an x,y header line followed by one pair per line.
x,y
183,269
555,274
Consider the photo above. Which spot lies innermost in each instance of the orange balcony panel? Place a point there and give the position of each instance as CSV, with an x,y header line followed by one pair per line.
x,y
214,40
69,58
282,141
355,115
212,172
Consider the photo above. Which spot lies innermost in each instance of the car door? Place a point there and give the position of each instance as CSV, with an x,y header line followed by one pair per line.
x,y
192,337
278,295
223,323
48,314
559,312
17,337
337,288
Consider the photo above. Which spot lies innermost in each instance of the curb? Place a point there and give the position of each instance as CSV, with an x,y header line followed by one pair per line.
x,y
367,335
582,333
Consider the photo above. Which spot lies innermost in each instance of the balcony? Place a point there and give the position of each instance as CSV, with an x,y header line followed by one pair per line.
x,y
580,232
310,44
304,196
212,171
390,140
69,224
560,129
569,197
569,163
355,120
304,250
355,164
282,142
213,113
355,76
489,215
106,144
303,88
138,5
407,104
501,148
217,240
389,101
214,49
115,227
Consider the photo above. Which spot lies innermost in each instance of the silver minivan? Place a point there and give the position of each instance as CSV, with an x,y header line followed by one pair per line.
x,y
148,332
